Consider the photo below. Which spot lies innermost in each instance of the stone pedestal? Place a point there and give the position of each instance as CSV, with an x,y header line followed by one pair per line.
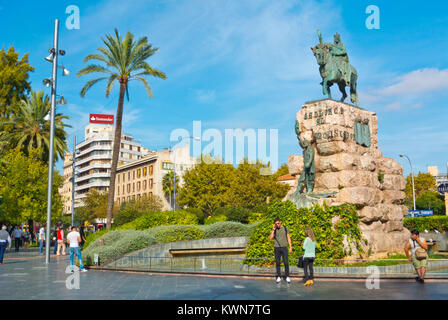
x,y
347,163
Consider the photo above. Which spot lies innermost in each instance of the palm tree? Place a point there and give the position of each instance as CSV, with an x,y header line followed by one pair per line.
x,y
168,185
29,127
125,61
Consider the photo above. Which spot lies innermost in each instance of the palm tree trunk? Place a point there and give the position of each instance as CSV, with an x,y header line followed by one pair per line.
x,y
115,154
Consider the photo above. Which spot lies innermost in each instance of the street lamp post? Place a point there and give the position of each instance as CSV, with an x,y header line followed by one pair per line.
x,y
73,178
53,58
412,175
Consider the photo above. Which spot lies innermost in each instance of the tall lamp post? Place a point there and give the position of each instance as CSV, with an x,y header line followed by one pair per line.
x,y
412,175
174,168
74,174
53,58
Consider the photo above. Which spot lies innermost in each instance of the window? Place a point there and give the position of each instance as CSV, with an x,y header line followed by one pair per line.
x,y
123,190
138,186
133,197
150,183
138,148
124,177
144,184
133,173
118,190
138,173
118,200
118,178
150,170
133,187
138,196
129,187
129,175
144,171
123,199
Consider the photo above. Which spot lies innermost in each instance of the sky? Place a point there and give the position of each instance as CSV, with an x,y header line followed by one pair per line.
x,y
247,64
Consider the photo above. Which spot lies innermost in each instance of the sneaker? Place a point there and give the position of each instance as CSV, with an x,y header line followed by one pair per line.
x,y
421,280
417,279
83,270
278,280
288,280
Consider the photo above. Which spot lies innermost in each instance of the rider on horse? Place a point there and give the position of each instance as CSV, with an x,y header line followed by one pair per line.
x,y
338,51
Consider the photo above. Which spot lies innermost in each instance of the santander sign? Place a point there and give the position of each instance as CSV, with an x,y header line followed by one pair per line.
x,y
101,118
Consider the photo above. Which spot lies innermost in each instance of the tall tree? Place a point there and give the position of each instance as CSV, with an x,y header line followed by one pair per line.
x,y
125,61
23,187
29,127
14,84
422,182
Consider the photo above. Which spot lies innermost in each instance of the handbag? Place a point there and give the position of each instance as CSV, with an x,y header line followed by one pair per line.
x,y
300,264
420,253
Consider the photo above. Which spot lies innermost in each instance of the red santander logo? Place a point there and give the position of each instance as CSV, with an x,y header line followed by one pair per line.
x,y
101,118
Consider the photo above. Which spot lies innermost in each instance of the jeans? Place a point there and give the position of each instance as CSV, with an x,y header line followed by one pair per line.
x,y
76,251
2,250
55,246
41,245
281,252
308,265
17,243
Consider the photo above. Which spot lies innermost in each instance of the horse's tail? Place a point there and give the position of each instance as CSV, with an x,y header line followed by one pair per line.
x,y
353,84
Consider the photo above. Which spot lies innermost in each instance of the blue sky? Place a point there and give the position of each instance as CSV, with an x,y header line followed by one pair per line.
x,y
248,64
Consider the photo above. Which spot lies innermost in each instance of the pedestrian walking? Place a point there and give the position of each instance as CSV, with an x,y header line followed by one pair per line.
x,y
4,238
418,256
17,235
309,246
280,235
26,239
55,240
60,241
41,239
73,239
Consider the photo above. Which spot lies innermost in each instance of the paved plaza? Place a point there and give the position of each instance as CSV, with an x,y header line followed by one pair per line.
x,y
30,278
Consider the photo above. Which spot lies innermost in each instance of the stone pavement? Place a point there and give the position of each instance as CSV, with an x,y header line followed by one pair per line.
x,y
31,279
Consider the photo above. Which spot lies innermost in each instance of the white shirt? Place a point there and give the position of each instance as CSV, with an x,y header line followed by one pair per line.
x,y
72,237
42,234
415,245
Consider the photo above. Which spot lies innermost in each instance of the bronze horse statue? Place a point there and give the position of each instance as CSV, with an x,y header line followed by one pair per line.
x,y
332,71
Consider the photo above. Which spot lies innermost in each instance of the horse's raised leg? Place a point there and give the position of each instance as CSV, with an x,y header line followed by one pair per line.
x,y
341,86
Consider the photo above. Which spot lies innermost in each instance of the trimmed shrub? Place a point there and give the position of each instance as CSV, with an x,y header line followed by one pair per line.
x,y
226,229
126,215
92,237
215,219
176,233
106,254
133,240
198,213
439,223
151,220
238,214
330,239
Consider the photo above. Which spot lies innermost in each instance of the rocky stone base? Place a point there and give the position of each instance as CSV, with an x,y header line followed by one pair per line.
x,y
359,174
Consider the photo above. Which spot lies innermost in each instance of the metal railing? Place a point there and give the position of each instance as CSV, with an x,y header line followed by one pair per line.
x,y
265,266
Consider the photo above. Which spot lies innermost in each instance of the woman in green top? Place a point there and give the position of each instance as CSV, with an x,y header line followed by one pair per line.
x,y
308,258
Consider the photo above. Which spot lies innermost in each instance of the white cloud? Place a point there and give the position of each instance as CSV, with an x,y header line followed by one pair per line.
x,y
417,82
205,96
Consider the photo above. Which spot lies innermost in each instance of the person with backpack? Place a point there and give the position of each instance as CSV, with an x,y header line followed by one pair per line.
x,y
280,236
418,256
309,246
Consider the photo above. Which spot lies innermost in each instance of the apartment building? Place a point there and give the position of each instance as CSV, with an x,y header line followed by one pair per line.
x,y
94,159
143,177
66,189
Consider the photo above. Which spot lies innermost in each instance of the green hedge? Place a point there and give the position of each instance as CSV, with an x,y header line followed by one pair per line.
x,y
227,229
120,242
151,220
330,240
176,233
439,223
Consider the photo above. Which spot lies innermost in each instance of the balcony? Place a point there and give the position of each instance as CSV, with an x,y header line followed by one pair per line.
x,y
93,175
92,185
96,166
